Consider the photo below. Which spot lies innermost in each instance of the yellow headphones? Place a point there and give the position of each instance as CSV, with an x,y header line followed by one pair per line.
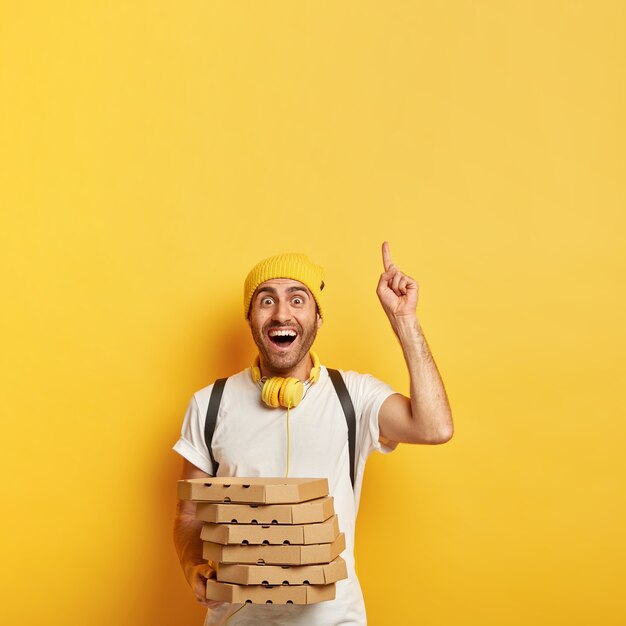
x,y
285,392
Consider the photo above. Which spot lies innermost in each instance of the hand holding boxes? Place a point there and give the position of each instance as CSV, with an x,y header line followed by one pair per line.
x,y
275,540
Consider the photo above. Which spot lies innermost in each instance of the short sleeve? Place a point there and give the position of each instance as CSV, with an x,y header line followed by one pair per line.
x,y
368,394
191,444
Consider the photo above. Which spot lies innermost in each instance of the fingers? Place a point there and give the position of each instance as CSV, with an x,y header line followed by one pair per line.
x,y
199,588
401,284
212,604
387,263
201,573
382,281
392,279
205,570
396,281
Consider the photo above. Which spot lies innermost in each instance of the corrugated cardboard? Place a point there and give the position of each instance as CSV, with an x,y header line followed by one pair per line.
x,y
310,512
271,534
274,555
259,594
252,490
283,574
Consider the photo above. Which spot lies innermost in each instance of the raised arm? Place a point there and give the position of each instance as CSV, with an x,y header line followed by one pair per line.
x,y
425,417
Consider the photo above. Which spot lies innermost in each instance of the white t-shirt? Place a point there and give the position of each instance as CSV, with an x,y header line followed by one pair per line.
x,y
250,439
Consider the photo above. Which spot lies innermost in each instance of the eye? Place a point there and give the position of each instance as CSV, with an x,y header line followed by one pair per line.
x,y
297,300
267,301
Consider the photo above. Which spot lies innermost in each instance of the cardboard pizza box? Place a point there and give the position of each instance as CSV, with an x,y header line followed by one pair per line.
x,y
310,512
325,532
275,555
252,490
283,574
260,594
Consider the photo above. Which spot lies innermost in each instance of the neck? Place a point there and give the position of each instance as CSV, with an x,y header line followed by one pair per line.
x,y
302,370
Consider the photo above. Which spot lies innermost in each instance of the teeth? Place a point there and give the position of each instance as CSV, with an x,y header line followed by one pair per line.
x,y
282,333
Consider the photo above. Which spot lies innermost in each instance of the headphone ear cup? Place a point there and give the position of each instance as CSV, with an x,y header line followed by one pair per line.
x,y
276,392
270,392
291,393
264,391
281,392
285,392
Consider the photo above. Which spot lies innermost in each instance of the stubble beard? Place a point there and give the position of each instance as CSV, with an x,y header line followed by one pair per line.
x,y
282,363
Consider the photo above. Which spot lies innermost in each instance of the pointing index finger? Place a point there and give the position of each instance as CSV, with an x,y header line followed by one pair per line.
x,y
386,256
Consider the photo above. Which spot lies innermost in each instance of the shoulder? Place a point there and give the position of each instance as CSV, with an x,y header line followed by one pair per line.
x,y
359,384
236,382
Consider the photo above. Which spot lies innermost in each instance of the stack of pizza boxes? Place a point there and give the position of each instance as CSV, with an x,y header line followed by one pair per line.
x,y
271,540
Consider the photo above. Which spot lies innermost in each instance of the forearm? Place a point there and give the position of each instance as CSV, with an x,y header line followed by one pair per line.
x,y
187,537
425,417
430,410
188,543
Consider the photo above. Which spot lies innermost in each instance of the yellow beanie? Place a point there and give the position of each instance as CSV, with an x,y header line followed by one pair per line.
x,y
291,265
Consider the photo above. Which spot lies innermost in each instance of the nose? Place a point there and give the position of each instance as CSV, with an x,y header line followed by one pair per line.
x,y
282,312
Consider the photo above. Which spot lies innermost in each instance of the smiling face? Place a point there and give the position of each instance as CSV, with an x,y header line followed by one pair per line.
x,y
284,322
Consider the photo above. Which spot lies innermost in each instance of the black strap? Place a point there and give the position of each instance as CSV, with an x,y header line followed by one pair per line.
x,y
348,411
344,399
211,418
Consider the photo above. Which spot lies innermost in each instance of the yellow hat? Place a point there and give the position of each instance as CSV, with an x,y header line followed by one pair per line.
x,y
292,265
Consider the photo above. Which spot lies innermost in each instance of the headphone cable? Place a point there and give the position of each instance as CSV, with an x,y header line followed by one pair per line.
x,y
234,613
288,443
286,476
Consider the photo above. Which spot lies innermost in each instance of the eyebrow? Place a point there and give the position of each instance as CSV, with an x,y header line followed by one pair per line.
x,y
274,292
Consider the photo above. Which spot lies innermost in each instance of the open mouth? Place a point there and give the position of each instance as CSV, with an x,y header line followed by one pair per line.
x,y
283,338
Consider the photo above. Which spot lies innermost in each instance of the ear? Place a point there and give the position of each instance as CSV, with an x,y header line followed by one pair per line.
x,y
320,321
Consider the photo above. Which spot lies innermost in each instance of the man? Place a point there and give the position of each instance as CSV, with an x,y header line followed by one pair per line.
x,y
283,306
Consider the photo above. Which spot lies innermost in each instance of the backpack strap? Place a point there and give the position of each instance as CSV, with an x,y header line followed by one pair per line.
x,y
348,411
344,399
211,418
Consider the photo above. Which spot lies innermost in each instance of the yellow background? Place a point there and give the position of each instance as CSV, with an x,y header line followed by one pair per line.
x,y
151,152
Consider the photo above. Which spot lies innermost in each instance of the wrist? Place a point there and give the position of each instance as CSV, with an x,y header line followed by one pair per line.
x,y
406,327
